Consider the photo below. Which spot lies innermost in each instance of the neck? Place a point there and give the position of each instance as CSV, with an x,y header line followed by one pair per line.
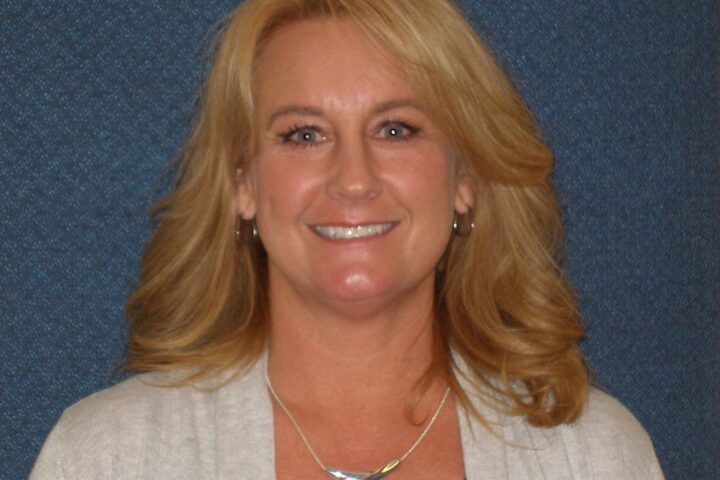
x,y
370,360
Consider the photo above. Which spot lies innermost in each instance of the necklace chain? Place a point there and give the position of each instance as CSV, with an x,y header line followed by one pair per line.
x,y
337,473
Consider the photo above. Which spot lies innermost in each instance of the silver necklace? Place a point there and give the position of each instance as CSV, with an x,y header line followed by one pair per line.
x,y
378,474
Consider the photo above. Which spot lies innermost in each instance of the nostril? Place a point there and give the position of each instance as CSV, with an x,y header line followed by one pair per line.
x,y
356,187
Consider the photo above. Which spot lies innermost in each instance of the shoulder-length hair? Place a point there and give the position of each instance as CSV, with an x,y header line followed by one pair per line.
x,y
502,302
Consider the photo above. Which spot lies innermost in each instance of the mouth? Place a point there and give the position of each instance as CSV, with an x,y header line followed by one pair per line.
x,y
341,232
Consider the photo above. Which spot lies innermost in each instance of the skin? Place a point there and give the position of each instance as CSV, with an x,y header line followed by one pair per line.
x,y
344,141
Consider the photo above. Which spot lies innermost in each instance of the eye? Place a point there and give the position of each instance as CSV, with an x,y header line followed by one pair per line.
x,y
302,136
397,130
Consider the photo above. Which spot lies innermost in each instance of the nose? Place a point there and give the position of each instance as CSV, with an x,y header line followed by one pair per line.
x,y
354,177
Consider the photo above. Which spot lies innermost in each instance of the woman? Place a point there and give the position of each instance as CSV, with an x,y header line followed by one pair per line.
x,y
355,275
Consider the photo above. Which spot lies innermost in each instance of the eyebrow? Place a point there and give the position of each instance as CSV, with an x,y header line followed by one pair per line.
x,y
317,112
393,104
296,109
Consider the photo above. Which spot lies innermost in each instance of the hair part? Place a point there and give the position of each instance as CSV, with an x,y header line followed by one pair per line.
x,y
503,304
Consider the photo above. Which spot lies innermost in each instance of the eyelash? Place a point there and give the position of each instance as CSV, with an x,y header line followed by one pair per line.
x,y
286,137
412,130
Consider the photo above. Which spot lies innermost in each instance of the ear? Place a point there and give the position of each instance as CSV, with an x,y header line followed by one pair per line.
x,y
245,205
464,196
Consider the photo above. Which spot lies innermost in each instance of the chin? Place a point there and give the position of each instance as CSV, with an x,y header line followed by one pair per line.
x,y
357,287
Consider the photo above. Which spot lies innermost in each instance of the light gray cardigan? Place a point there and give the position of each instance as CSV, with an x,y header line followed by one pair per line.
x,y
138,431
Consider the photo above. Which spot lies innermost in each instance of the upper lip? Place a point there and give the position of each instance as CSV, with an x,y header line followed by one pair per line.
x,y
347,224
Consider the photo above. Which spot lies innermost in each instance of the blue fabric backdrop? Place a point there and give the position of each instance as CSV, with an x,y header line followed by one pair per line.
x,y
96,97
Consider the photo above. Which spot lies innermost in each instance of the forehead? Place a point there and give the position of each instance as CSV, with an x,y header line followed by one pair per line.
x,y
327,62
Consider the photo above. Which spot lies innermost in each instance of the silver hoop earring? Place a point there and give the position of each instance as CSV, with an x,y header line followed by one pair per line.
x,y
255,231
463,225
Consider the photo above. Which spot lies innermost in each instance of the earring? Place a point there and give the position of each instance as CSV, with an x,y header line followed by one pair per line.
x,y
463,225
238,231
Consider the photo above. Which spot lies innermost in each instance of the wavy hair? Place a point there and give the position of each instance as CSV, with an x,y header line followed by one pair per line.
x,y
502,302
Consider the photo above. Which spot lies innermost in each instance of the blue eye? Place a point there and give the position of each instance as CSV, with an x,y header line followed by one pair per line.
x,y
398,131
303,136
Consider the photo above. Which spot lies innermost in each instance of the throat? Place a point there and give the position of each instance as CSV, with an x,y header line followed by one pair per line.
x,y
339,473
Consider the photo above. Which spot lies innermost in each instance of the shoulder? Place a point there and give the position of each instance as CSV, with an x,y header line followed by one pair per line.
x,y
606,442
605,417
133,396
136,404
148,427
610,441
119,422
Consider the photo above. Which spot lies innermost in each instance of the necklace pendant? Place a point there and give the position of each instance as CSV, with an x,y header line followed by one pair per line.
x,y
346,475
376,475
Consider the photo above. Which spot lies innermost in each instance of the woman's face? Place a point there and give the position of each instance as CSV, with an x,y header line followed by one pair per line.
x,y
352,186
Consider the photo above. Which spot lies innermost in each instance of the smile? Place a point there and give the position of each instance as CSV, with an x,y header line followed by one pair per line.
x,y
333,232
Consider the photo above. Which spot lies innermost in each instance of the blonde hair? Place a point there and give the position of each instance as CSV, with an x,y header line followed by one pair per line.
x,y
502,302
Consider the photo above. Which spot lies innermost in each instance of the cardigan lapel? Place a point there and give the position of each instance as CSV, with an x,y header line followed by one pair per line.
x,y
245,446
483,451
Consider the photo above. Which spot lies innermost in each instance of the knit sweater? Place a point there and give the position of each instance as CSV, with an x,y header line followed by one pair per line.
x,y
139,430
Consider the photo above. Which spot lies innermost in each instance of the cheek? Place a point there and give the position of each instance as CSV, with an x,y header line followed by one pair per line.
x,y
282,189
427,182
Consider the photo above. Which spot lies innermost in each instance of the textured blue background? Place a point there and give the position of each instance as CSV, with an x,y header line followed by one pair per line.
x,y
95,98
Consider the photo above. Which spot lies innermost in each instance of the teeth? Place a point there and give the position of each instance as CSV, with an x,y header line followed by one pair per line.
x,y
346,233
